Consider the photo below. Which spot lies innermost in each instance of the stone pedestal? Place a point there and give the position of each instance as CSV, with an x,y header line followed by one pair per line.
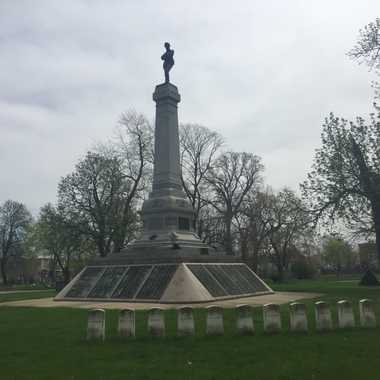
x,y
126,326
244,320
214,321
323,320
345,315
96,324
367,313
185,321
298,317
272,318
156,322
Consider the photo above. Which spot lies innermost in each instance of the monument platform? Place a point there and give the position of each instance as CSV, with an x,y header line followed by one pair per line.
x,y
169,279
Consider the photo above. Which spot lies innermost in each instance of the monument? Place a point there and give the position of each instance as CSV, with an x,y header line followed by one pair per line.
x,y
169,263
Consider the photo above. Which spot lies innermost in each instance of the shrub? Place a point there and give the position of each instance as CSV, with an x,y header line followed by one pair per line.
x,y
369,279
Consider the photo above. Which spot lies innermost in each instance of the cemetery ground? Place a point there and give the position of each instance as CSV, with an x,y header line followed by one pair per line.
x,y
49,343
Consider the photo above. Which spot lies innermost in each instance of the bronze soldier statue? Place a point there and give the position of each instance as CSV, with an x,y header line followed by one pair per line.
x,y
167,57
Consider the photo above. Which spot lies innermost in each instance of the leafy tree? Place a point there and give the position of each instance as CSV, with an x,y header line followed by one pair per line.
x,y
367,49
90,197
14,221
345,179
338,255
58,236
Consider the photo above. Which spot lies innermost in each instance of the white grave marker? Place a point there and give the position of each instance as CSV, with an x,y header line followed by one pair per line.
x,y
244,320
96,324
185,321
323,320
298,317
345,315
272,318
367,313
156,322
214,321
126,323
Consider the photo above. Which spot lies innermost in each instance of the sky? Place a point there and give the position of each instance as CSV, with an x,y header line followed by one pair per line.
x,y
264,74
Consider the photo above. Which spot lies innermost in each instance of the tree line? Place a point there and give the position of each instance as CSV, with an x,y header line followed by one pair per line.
x,y
97,208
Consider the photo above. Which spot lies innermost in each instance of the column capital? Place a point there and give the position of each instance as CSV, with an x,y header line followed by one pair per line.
x,y
166,91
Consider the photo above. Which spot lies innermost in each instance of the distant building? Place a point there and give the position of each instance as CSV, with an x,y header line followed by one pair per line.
x,y
368,256
33,269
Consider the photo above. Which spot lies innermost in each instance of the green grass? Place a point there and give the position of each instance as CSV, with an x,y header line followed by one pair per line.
x,y
25,295
38,343
18,287
332,288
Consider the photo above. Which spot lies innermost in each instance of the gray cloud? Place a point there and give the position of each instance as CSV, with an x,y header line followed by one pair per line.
x,y
264,74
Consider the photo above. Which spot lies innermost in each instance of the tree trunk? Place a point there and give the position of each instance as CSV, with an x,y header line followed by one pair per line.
x,y
280,270
66,275
120,233
3,265
376,212
244,247
338,272
228,236
199,227
101,247
53,271
255,255
119,238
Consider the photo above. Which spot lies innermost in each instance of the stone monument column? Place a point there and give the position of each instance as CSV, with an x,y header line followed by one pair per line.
x,y
168,217
167,170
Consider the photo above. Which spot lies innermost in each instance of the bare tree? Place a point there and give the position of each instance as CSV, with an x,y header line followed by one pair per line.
x,y
253,225
14,221
287,221
211,227
135,147
199,147
231,178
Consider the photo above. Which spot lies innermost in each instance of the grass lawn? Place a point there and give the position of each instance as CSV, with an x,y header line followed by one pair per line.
x,y
23,287
38,343
25,295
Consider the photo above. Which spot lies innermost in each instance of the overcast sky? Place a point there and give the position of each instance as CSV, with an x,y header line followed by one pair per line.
x,y
262,73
